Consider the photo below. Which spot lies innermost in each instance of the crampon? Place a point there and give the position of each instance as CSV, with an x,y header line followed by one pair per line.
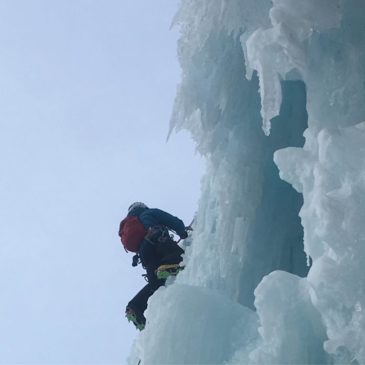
x,y
165,271
133,317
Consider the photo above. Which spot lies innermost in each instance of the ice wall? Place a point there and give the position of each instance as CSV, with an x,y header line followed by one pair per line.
x,y
191,325
330,173
237,238
329,170
289,68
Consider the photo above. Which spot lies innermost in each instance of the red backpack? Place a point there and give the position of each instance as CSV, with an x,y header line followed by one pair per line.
x,y
132,233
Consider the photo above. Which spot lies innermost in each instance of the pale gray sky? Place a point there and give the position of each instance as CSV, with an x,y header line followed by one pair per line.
x,y
86,92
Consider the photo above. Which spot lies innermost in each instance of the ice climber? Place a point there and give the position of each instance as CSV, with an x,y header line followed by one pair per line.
x,y
145,231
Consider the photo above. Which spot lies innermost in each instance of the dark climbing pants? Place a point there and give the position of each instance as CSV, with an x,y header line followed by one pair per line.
x,y
152,256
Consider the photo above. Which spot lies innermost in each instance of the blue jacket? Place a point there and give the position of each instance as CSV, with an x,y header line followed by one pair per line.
x,y
151,217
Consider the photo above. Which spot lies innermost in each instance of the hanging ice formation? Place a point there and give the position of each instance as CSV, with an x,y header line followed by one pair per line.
x,y
247,295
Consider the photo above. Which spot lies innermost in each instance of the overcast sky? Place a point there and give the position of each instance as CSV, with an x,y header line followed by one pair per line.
x,y
86,93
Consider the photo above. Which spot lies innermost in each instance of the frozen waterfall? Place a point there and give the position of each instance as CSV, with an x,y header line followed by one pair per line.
x,y
273,94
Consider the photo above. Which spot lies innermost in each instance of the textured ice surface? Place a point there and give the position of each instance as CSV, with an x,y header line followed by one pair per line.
x,y
192,325
275,51
298,67
330,171
290,325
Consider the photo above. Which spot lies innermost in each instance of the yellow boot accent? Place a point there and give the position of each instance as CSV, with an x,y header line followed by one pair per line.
x,y
166,267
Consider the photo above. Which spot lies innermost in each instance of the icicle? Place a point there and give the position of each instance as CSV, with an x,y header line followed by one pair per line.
x,y
308,260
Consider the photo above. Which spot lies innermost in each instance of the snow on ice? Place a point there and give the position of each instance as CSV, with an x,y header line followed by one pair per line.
x,y
247,295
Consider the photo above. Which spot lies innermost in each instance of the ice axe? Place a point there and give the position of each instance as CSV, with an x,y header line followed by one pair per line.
x,y
188,228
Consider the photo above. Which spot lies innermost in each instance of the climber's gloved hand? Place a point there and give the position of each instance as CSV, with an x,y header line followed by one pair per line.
x,y
184,235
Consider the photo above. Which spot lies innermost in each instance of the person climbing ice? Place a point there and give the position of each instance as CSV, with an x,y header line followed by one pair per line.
x,y
145,231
